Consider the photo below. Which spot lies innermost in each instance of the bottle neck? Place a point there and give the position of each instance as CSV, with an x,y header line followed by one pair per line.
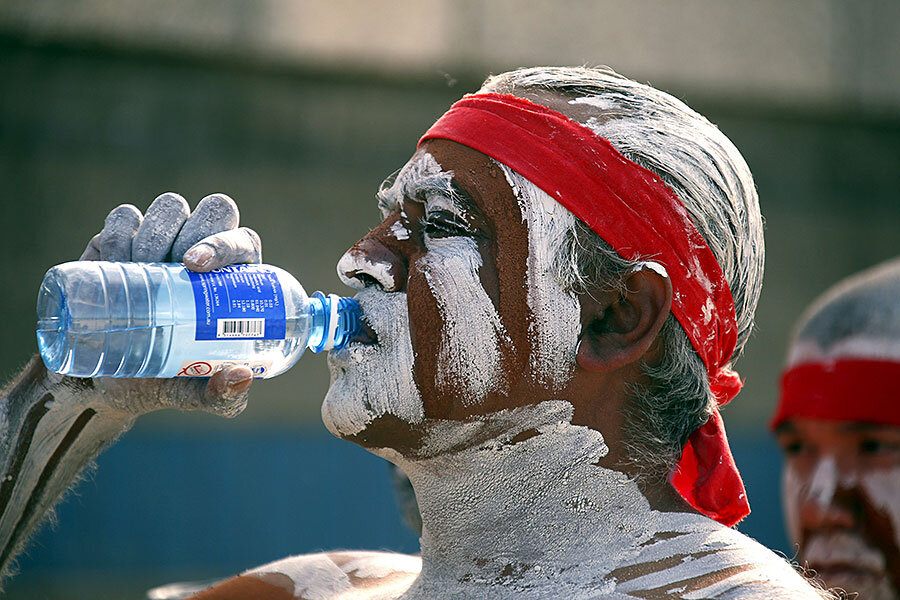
x,y
335,320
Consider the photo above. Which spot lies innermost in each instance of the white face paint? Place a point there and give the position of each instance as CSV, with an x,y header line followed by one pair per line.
x,y
840,553
791,488
400,232
469,358
556,312
514,503
373,380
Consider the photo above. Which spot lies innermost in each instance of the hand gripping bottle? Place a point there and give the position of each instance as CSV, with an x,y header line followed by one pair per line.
x,y
124,319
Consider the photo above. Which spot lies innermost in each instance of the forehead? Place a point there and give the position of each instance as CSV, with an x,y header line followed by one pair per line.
x,y
833,433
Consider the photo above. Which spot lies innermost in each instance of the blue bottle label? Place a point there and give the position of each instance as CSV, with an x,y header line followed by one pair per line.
x,y
240,302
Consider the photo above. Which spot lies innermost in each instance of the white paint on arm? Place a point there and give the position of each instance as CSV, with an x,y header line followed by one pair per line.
x,y
52,431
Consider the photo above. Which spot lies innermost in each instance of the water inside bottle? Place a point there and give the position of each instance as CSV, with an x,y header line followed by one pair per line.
x,y
141,322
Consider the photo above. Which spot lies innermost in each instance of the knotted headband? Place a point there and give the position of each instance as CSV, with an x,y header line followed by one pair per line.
x,y
641,218
843,390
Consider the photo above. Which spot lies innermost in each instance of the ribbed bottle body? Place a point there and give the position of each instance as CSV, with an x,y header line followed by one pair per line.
x,y
113,319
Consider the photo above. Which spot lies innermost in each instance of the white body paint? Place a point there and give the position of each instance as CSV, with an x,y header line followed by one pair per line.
x,y
338,575
539,519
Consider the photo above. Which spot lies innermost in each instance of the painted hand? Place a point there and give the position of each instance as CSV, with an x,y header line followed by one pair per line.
x,y
207,239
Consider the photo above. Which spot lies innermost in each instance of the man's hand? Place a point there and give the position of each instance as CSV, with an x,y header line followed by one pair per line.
x,y
207,239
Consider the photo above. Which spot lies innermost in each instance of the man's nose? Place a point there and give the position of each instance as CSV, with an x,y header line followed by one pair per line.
x,y
370,262
830,499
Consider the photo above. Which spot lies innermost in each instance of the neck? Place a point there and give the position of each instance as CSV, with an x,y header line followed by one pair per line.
x,y
516,501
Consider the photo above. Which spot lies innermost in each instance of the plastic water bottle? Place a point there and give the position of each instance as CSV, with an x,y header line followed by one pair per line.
x,y
122,319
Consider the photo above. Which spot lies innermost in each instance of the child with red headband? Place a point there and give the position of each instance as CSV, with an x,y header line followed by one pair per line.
x,y
838,423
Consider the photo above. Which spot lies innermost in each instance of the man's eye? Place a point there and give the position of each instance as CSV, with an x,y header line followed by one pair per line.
x,y
793,447
875,446
440,224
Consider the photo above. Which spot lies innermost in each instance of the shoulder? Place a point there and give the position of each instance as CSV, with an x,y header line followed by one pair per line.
x,y
700,559
325,576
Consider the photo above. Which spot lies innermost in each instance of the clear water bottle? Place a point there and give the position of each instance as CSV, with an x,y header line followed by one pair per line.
x,y
123,319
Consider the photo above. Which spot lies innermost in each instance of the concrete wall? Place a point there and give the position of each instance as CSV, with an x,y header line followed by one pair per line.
x,y
814,53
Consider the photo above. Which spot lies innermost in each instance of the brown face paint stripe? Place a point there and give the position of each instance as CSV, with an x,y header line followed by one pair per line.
x,y
38,491
34,416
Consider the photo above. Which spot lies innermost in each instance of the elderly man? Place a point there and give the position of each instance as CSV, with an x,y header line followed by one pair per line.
x,y
838,424
566,270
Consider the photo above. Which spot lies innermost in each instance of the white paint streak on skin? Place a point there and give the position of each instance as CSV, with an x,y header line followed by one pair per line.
x,y
824,482
556,313
400,232
370,381
470,344
653,266
883,489
319,577
375,565
353,260
791,488
836,548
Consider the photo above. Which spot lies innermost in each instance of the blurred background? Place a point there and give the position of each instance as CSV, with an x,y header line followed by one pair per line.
x,y
298,109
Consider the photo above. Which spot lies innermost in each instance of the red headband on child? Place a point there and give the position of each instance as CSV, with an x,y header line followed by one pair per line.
x,y
642,219
843,390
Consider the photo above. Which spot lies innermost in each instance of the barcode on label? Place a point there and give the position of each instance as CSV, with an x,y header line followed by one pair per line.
x,y
227,328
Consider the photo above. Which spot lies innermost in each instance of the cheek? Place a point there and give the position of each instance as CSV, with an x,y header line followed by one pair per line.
x,y
456,330
882,492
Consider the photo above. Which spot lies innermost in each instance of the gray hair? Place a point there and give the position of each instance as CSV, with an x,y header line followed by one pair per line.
x,y
710,177
857,318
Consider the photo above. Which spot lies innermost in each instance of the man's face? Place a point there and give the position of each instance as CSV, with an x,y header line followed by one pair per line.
x,y
465,316
841,492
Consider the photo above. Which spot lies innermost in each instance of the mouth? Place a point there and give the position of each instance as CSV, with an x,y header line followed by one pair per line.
x,y
366,335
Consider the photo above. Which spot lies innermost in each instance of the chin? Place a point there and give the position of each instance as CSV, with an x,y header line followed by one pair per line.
x,y
870,586
369,385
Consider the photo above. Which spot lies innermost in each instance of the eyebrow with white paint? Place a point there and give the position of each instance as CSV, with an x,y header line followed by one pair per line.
x,y
420,182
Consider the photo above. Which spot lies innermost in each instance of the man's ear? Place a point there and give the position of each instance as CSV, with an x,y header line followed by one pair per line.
x,y
619,328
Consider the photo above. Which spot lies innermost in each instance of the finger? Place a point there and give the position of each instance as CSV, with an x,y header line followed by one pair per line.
x,y
214,214
92,252
118,230
224,394
240,245
162,222
227,391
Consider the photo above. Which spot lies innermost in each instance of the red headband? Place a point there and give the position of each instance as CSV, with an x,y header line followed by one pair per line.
x,y
641,218
844,390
